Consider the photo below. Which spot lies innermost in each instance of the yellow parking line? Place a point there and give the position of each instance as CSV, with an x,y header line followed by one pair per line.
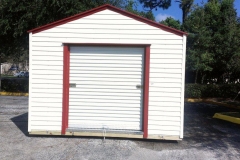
x,y
13,94
226,117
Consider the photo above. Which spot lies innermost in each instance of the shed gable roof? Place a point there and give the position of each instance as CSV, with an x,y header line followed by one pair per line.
x,y
112,8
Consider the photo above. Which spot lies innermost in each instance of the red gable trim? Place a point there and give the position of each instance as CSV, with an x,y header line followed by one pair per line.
x,y
112,8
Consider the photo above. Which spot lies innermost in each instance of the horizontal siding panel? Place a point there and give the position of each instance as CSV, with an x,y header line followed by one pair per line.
x,y
45,118
177,85
114,116
80,73
102,65
91,104
49,49
164,75
164,108
165,80
111,61
89,33
109,77
45,128
47,114
114,87
48,104
165,56
106,83
107,100
46,95
107,69
165,65
101,90
47,67
50,63
164,113
48,123
165,61
164,123
161,132
104,98
164,89
166,70
164,103
47,100
47,77
47,81
164,118
164,128
36,87
164,99
100,93
130,40
100,125
107,57
47,58
44,108
105,79
47,71
99,118
164,94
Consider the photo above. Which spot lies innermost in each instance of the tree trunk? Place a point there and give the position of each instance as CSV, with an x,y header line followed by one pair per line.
x,y
202,79
196,77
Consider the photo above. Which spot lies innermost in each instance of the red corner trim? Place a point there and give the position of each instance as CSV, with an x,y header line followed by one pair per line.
x,y
112,8
146,91
65,100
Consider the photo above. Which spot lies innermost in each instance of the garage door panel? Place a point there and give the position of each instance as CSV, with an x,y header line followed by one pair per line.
x,y
106,92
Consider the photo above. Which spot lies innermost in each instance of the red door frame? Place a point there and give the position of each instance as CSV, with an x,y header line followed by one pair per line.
x,y
66,68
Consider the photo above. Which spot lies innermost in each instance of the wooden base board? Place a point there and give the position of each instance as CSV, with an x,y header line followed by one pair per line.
x,y
101,134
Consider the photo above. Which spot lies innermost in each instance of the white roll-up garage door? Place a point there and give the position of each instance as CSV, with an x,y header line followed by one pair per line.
x,y
106,88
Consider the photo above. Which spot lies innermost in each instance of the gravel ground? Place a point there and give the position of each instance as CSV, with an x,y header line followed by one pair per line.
x,y
204,138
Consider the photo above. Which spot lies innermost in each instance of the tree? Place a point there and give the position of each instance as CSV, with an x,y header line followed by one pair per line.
x,y
154,4
199,59
185,5
171,22
132,7
213,41
18,16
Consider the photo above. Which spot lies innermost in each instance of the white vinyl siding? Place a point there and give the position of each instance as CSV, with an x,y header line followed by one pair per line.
x,y
166,65
106,96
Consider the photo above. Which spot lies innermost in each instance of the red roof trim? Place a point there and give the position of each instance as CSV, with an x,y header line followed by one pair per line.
x,y
112,8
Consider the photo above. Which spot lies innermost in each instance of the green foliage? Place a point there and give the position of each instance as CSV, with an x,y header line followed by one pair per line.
x,y
213,42
154,4
19,16
193,91
211,91
171,22
132,7
15,85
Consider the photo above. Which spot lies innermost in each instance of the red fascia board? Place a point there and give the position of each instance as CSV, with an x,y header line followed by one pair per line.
x,y
146,91
65,100
112,8
108,44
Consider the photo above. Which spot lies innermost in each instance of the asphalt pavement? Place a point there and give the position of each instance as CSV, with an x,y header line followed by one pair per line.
x,y
205,138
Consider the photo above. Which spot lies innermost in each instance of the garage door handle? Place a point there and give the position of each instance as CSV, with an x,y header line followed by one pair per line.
x,y
138,86
72,85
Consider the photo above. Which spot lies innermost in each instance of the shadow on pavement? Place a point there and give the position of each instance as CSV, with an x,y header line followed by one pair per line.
x,y
203,131
21,121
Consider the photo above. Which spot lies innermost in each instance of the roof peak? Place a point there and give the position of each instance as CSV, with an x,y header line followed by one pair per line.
x,y
101,8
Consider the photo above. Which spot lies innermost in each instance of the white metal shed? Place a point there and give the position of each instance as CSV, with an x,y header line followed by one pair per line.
x,y
107,72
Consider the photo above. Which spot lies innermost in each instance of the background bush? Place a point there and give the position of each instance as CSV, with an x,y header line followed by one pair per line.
x,y
212,90
15,85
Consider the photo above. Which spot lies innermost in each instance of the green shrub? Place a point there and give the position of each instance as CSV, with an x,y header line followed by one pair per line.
x,y
15,85
193,91
212,90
